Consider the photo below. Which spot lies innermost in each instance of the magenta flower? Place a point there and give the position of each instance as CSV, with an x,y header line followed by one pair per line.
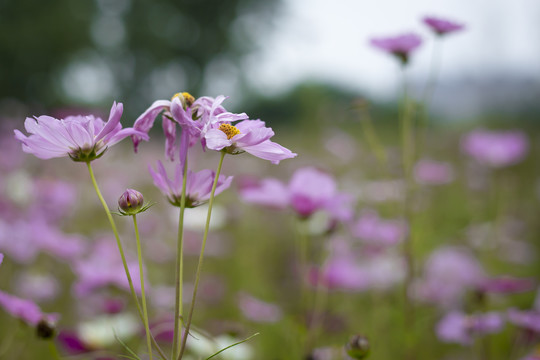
x,y
456,327
373,230
258,310
82,138
309,190
246,136
400,46
529,320
429,172
25,310
198,185
442,26
496,148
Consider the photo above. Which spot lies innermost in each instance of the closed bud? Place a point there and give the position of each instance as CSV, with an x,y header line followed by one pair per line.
x,y
45,329
131,202
358,347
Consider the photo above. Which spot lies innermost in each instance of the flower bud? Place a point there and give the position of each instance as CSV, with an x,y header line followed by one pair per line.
x,y
358,347
45,329
130,202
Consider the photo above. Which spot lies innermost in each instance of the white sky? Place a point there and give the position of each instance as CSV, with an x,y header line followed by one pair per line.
x,y
329,41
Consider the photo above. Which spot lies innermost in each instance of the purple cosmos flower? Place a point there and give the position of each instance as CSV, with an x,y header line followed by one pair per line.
x,y
529,320
246,136
457,327
496,148
37,287
82,138
25,310
258,310
442,26
448,274
429,172
1,258
506,285
374,230
198,184
400,46
309,190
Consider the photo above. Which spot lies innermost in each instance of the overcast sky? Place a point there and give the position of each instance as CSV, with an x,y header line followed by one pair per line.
x,y
329,41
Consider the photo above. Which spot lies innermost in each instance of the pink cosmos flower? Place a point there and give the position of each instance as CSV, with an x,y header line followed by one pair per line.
x,y
309,190
25,310
496,148
1,258
456,327
400,46
442,26
506,285
82,138
198,184
431,172
529,320
249,136
373,230
258,310
194,116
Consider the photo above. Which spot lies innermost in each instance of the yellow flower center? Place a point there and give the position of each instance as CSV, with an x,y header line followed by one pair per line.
x,y
229,130
185,98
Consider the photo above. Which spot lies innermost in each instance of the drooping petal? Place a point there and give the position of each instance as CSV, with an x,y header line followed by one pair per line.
x,y
114,120
169,129
145,122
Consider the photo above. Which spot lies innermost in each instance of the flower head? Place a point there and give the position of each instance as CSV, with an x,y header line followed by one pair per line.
x,y
131,202
456,327
400,46
198,185
429,172
442,26
250,136
82,138
496,148
25,310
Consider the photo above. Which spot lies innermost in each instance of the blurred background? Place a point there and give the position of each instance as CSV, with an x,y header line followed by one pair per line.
x,y
263,53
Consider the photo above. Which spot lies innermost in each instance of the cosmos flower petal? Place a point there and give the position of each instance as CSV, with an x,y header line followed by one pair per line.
x,y
216,139
146,120
269,150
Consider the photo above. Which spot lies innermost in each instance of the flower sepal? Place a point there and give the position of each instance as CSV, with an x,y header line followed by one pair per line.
x,y
145,207
131,202
86,156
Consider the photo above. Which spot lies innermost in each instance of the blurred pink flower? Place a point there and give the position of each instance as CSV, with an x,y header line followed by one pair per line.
x,y
258,310
103,267
198,184
442,26
496,148
448,274
431,172
373,230
529,320
506,285
400,46
37,287
25,310
82,138
457,327
1,258
309,190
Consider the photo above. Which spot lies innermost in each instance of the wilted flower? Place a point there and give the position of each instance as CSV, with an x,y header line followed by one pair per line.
x,y
82,138
25,310
496,148
258,310
400,46
457,327
198,184
431,172
309,190
442,26
250,136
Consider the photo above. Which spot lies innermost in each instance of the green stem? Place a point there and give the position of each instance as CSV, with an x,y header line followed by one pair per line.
x,y
178,312
143,295
121,250
201,256
54,351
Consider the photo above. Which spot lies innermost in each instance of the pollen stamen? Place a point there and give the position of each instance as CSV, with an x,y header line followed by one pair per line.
x,y
185,98
229,130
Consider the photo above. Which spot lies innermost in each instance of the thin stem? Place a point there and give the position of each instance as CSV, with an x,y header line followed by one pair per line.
x,y
201,256
54,351
178,311
121,250
143,296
